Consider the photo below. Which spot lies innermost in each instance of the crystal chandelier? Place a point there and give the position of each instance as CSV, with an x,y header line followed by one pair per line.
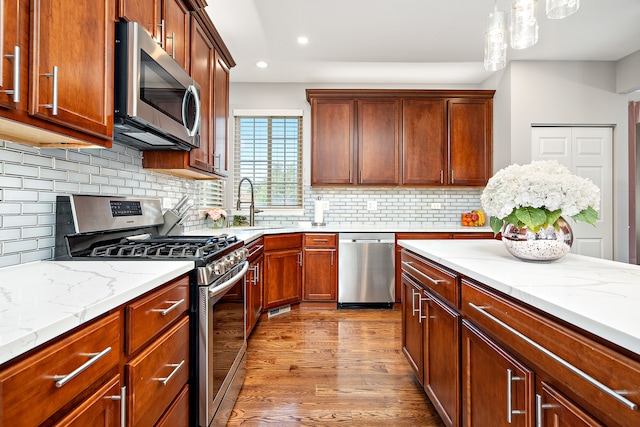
x,y
523,31
523,28
558,9
495,43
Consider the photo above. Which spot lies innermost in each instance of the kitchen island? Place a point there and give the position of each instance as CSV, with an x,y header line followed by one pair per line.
x,y
42,300
496,341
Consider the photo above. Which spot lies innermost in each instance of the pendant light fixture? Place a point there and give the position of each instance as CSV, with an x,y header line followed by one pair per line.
x,y
495,43
558,9
523,30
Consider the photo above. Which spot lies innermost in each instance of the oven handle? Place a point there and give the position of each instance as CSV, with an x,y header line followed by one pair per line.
x,y
223,287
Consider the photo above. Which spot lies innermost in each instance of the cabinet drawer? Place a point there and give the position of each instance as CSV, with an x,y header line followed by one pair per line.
x,y
36,388
255,248
282,241
158,374
328,240
178,414
441,281
154,313
586,371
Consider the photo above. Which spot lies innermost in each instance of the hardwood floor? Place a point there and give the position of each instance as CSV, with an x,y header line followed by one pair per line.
x,y
326,367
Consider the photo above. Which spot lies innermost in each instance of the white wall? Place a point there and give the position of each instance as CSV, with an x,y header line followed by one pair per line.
x,y
565,93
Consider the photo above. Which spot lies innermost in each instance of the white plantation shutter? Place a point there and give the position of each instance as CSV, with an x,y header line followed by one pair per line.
x,y
211,194
268,151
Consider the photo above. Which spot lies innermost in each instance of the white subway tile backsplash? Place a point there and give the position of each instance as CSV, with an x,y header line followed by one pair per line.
x,y
10,182
19,221
36,160
19,195
9,260
40,255
33,232
37,184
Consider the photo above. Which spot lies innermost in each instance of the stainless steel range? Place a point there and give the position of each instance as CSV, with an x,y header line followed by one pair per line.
x,y
127,228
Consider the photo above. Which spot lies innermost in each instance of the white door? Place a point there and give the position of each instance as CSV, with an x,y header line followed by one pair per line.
x,y
587,152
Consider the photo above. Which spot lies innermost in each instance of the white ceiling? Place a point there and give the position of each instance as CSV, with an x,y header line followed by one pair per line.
x,y
404,41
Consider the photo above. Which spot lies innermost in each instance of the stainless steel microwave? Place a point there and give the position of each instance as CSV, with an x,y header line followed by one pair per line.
x,y
157,103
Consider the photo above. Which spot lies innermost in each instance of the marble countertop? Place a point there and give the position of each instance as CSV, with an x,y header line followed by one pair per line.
x,y
41,300
599,296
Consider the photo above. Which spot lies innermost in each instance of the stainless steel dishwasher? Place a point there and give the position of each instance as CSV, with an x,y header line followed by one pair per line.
x,y
366,276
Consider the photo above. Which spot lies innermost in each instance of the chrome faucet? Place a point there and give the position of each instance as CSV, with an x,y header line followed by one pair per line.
x,y
252,208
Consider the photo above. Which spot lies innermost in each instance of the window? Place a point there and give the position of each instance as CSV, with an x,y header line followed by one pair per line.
x,y
211,194
268,151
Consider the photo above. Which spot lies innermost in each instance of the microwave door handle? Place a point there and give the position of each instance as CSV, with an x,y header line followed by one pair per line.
x,y
196,124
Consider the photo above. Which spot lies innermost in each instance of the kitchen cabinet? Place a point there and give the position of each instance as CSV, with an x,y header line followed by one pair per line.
x,y
424,141
103,409
320,260
554,409
166,20
412,330
63,374
157,345
470,142
253,283
497,388
378,142
211,71
401,137
283,270
432,295
61,103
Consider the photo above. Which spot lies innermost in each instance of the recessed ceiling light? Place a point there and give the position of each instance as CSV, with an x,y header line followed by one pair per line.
x,y
261,64
303,40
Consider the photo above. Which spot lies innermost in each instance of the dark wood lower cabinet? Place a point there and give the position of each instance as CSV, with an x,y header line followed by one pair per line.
x,y
497,390
442,358
412,331
553,409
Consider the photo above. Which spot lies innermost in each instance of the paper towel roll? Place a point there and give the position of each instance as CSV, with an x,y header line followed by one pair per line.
x,y
318,215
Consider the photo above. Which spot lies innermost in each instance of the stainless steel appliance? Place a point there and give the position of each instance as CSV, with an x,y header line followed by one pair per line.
x,y
366,276
103,227
157,103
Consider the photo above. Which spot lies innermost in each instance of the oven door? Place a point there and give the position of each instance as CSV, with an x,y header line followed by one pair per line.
x,y
222,346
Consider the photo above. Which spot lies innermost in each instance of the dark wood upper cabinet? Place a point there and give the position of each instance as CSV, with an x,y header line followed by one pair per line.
x,y
470,141
401,137
333,135
378,141
424,139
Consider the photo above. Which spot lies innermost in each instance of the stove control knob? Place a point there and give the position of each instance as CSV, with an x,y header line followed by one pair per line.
x,y
244,253
233,258
227,263
219,268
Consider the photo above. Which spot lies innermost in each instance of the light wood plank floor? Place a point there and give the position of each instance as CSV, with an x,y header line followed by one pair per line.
x,y
322,367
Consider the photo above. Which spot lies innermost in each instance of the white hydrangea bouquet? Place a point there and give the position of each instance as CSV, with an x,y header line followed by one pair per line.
x,y
537,194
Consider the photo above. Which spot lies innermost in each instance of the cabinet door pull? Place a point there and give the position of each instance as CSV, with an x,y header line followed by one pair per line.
x,y
300,258
162,34
539,408
321,240
172,37
123,405
16,75
441,176
176,367
332,255
616,394
422,317
174,305
510,410
63,379
54,101
453,180
431,279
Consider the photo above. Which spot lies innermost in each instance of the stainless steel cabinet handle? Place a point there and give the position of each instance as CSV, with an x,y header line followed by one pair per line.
x,y
441,176
332,256
123,405
616,394
452,178
321,240
16,75
510,410
54,102
63,379
176,367
431,279
174,305
300,258
257,273
539,408
421,300
350,178
162,34
173,43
